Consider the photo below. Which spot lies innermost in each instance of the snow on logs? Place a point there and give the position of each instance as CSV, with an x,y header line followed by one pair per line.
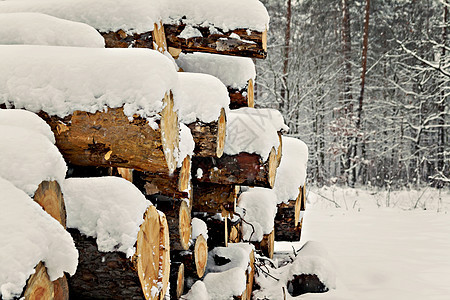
x,y
30,160
122,238
290,189
31,238
252,150
106,107
237,73
231,28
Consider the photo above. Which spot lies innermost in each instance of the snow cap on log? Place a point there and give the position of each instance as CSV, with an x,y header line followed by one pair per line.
x,y
250,131
238,255
29,235
258,207
27,120
107,208
225,285
233,71
136,17
28,158
199,97
198,291
199,227
291,173
61,80
227,15
40,29
186,145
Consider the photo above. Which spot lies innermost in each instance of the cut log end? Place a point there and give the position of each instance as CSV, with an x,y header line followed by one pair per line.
x,y
185,225
273,165
280,147
169,132
221,133
176,280
159,38
49,196
152,253
185,174
251,95
298,205
39,285
201,255
264,40
267,245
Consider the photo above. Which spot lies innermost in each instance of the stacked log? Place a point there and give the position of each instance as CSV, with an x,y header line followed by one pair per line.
x,y
194,259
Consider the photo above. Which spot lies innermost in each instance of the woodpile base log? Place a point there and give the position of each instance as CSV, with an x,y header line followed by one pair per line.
x,y
110,139
176,280
209,138
241,169
178,217
49,196
111,275
194,259
242,97
249,43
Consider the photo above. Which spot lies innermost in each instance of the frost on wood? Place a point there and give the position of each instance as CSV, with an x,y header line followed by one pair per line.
x,y
258,207
234,72
28,158
291,173
61,80
26,120
109,209
30,235
41,29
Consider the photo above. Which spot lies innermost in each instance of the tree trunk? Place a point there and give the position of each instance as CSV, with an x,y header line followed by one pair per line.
x,y
209,138
109,139
241,169
111,275
242,98
287,39
178,217
219,43
49,196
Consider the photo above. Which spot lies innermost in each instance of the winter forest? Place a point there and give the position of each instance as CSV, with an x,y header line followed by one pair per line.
x,y
365,84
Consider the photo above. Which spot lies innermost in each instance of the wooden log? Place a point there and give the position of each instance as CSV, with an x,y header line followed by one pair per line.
x,y
267,245
241,169
111,275
176,185
49,196
213,198
178,217
221,230
209,138
242,97
250,43
305,283
176,280
151,39
109,139
194,259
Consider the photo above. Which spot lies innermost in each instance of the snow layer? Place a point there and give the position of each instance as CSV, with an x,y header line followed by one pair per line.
x,y
227,15
199,97
136,18
40,29
27,158
110,209
258,207
263,115
60,80
198,228
198,291
291,173
26,120
233,71
247,131
186,145
237,253
225,285
29,235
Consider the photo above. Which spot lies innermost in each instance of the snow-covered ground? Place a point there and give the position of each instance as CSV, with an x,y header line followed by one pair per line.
x,y
383,245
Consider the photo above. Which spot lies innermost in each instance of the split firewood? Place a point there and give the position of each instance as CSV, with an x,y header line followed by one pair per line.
x,y
237,73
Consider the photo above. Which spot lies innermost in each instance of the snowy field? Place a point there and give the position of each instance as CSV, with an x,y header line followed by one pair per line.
x,y
383,245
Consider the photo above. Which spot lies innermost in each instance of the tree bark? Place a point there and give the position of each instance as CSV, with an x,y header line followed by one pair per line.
x,y
194,259
213,198
111,275
242,98
109,139
251,43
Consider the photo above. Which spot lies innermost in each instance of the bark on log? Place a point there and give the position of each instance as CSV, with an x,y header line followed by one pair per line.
x,y
241,169
287,219
176,280
209,138
213,198
250,44
243,97
178,217
152,39
111,275
109,139
49,196
194,259
267,245
176,185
